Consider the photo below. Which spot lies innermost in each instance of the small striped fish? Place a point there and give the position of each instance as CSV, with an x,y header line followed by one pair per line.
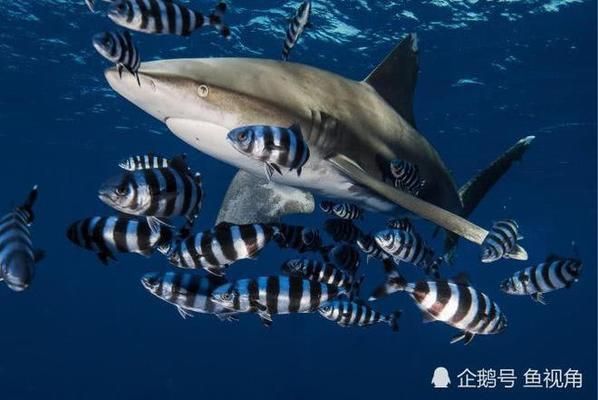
x,y
408,247
347,211
327,206
343,255
91,5
406,176
554,273
354,313
118,234
297,25
271,295
217,248
120,49
17,257
298,238
189,293
159,192
501,242
367,244
454,302
400,223
164,17
342,230
146,161
320,272
276,147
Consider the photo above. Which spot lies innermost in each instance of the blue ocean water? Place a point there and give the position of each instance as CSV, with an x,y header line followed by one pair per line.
x,y
491,73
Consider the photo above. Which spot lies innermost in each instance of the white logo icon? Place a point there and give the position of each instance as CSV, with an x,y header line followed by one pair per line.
x,y
441,379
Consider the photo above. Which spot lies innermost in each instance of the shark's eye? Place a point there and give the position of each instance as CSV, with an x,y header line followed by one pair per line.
x,y
202,90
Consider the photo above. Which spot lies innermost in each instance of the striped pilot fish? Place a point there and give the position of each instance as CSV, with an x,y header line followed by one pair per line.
x,y
367,244
216,249
17,256
342,230
299,238
347,211
408,247
189,293
276,147
120,49
554,273
454,302
343,255
501,242
271,295
146,161
348,313
404,224
165,17
327,206
406,176
297,25
156,193
320,272
118,234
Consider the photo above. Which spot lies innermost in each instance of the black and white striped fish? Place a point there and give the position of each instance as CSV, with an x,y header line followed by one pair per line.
x,y
501,242
217,248
189,293
343,255
348,313
17,256
342,230
91,5
408,247
297,25
400,223
159,192
107,236
298,238
275,146
406,176
347,211
271,295
320,272
120,49
165,17
554,273
327,206
367,244
454,302
146,161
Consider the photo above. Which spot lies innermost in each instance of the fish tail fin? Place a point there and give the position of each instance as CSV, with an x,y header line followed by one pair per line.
x,y
477,187
393,320
215,19
28,204
355,287
394,283
433,269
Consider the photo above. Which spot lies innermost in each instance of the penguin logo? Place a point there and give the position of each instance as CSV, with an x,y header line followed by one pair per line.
x,y
441,379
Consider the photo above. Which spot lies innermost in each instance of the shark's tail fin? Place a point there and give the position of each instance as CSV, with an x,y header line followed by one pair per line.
x,y
474,191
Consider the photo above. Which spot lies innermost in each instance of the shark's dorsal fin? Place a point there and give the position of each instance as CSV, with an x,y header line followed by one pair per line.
x,y
395,78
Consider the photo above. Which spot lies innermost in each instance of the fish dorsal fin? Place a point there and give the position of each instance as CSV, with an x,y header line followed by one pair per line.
x,y
552,258
462,278
395,78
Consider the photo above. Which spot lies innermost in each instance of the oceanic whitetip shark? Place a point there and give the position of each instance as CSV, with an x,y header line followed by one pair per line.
x,y
353,129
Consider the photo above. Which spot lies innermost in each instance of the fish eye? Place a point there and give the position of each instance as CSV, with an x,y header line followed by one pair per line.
x,y
121,190
121,7
227,296
203,90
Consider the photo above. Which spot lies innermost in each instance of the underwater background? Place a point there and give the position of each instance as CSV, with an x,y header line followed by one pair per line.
x,y
490,73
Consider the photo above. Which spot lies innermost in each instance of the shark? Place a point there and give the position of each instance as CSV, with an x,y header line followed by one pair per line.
x,y
353,130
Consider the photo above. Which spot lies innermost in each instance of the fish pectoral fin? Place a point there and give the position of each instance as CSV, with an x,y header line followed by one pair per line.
x,y
228,317
269,171
539,298
518,253
431,212
38,255
467,337
155,222
219,272
184,313
262,312
105,257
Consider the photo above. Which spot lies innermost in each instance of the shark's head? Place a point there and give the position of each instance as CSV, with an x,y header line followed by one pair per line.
x,y
201,101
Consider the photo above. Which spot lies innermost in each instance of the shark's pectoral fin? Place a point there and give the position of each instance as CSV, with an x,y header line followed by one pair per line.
x,y
252,199
435,214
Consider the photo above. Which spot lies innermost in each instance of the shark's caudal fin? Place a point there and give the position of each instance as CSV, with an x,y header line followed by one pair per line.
x,y
474,191
251,199
395,78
